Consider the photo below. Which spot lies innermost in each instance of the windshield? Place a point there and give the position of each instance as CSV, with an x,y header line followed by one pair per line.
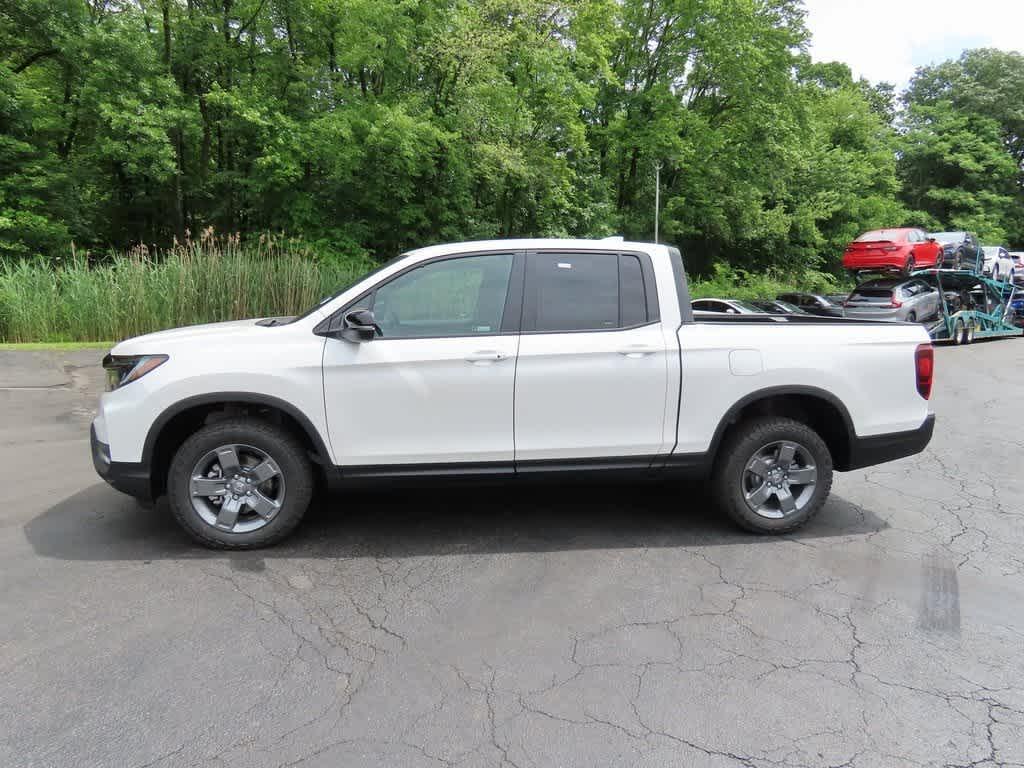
x,y
945,237
881,235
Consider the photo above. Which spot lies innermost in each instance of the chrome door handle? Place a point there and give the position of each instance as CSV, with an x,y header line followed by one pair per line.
x,y
638,350
485,356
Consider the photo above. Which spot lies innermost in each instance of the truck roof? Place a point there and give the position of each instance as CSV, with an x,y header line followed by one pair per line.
x,y
535,243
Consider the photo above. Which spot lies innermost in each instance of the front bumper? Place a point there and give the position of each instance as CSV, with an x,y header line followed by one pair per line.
x,y
878,449
127,477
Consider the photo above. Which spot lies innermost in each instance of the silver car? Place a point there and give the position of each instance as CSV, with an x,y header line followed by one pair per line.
x,y
908,299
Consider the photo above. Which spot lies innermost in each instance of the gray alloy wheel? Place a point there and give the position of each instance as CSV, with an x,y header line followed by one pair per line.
x,y
240,483
958,332
237,488
779,479
969,334
772,474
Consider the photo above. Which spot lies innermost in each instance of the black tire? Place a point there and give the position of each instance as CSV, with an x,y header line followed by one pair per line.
x,y
909,266
279,444
958,260
745,441
911,317
958,332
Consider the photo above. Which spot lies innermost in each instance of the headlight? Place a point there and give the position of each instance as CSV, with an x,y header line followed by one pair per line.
x,y
124,369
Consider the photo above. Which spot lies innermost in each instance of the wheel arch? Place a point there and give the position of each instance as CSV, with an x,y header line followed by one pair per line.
x,y
819,409
170,429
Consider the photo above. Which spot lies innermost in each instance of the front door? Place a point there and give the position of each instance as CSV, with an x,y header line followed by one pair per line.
x,y
592,371
436,385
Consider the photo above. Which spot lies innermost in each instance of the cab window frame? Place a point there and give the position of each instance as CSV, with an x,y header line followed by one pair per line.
x,y
650,286
510,313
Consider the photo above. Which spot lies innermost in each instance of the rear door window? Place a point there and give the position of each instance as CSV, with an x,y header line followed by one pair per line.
x,y
585,292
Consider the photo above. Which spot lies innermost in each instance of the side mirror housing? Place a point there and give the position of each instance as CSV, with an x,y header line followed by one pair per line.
x,y
359,326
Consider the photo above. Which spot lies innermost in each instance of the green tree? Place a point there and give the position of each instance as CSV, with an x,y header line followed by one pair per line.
x,y
963,153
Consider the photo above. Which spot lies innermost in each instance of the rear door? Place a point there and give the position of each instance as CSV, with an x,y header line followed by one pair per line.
x,y
592,370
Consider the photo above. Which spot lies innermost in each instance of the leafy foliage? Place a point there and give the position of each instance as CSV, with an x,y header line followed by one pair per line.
x,y
368,127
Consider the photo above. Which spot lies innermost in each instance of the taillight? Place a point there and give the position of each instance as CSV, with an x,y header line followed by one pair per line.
x,y
924,362
895,303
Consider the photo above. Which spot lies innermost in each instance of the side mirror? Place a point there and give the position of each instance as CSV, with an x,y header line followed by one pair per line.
x,y
360,326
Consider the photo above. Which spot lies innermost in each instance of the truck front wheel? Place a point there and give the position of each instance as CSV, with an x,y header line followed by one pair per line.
x,y
240,484
773,474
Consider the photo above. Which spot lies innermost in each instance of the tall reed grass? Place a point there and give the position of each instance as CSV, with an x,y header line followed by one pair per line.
x,y
222,278
139,291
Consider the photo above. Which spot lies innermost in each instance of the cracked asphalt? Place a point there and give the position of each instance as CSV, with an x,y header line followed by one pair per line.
x,y
607,626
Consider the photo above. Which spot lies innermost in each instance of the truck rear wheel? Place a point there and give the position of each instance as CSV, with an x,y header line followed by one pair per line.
x,y
240,484
773,475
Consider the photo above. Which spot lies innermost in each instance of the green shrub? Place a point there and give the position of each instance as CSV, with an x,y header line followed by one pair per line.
x,y
732,283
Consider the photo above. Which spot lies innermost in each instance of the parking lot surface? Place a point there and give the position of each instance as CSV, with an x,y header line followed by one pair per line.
x,y
608,626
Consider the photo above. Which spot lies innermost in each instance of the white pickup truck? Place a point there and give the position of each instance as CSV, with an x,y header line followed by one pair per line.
x,y
506,360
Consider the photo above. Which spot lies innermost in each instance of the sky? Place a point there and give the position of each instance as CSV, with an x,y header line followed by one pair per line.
x,y
888,39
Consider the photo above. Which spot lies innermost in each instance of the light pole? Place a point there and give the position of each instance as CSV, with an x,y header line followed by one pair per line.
x,y
657,196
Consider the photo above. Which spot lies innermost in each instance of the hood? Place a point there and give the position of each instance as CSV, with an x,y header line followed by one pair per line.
x,y
209,333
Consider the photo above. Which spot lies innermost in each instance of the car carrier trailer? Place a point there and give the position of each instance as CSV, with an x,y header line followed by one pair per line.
x,y
971,306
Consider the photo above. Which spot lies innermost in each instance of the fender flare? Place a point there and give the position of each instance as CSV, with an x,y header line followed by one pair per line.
x,y
770,392
249,398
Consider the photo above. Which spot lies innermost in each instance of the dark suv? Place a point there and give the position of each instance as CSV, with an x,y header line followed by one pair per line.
x,y
960,250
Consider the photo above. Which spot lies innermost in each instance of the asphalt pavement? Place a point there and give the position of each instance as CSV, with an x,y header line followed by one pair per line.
x,y
587,626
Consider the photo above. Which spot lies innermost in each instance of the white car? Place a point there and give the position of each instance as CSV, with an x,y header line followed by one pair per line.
x,y
1018,266
506,360
998,264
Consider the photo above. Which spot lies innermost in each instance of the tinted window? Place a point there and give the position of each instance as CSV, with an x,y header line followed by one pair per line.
x,y
704,305
882,235
454,297
584,292
632,297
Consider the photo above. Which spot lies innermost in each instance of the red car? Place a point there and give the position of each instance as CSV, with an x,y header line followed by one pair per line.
x,y
902,249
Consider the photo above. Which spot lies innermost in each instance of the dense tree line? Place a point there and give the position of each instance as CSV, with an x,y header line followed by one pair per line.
x,y
374,125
